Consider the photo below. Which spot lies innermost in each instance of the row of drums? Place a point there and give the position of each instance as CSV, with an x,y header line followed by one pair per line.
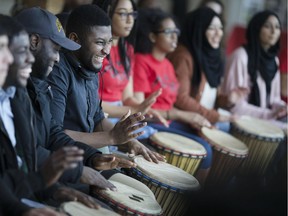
x,y
248,151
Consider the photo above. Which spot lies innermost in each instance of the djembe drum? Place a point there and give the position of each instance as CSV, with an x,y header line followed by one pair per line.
x,y
179,151
128,201
262,139
228,154
170,184
78,209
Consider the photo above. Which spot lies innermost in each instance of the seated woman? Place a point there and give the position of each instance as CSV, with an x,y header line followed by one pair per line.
x,y
199,66
155,39
255,67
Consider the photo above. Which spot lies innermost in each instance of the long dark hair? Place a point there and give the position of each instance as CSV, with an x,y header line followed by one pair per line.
x,y
150,20
258,59
109,7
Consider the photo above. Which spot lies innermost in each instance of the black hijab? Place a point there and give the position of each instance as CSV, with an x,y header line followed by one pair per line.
x,y
258,59
205,57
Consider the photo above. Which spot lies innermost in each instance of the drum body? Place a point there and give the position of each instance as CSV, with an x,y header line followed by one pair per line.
x,y
78,209
262,139
128,201
170,184
228,154
179,151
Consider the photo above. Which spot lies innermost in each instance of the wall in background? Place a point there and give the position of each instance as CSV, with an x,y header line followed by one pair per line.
x,y
237,12
5,6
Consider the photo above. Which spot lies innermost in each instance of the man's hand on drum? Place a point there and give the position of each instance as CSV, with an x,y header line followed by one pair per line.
x,y
110,161
137,148
93,177
125,128
43,212
61,160
65,194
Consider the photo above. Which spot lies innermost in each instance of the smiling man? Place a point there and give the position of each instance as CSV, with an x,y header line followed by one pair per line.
x,y
74,83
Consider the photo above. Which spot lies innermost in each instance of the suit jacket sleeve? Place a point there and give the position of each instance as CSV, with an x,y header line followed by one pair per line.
x,y
9,203
23,184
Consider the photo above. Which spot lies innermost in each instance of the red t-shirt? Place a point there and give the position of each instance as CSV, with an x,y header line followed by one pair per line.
x,y
151,74
115,81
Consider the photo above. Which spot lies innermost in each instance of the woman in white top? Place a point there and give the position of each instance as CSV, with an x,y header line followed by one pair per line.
x,y
198,64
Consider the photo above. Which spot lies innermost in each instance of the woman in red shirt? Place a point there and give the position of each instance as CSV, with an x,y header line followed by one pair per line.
x,y
156,38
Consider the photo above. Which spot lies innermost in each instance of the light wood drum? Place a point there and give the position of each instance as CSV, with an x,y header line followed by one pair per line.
x,y
262,139
128,201
170,184
78,209
179,151
228,154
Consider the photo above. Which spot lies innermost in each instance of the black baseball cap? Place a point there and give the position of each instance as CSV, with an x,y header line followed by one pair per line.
x,y
39,21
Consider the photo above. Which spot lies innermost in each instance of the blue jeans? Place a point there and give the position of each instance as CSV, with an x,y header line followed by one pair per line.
x,y
223,126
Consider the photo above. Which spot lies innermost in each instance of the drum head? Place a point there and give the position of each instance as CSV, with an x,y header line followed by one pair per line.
x,y
178,143
224,141
258,127
78,209
167,174
129,198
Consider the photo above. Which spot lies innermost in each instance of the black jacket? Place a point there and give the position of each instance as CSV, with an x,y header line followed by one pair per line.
x,y
50,134
14,182
9,204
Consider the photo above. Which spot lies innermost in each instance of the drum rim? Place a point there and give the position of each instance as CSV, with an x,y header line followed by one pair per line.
x,y
120,206
139,173
224,149
251,135
180,186
169,150
182,153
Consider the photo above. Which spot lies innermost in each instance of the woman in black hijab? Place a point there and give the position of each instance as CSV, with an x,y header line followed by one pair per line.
x,y
255,66
198,64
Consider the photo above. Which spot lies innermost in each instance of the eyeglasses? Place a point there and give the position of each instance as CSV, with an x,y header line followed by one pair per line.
x,y
169,32
125,15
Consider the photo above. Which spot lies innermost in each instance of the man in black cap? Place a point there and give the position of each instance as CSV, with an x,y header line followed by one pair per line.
x,y
46,38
